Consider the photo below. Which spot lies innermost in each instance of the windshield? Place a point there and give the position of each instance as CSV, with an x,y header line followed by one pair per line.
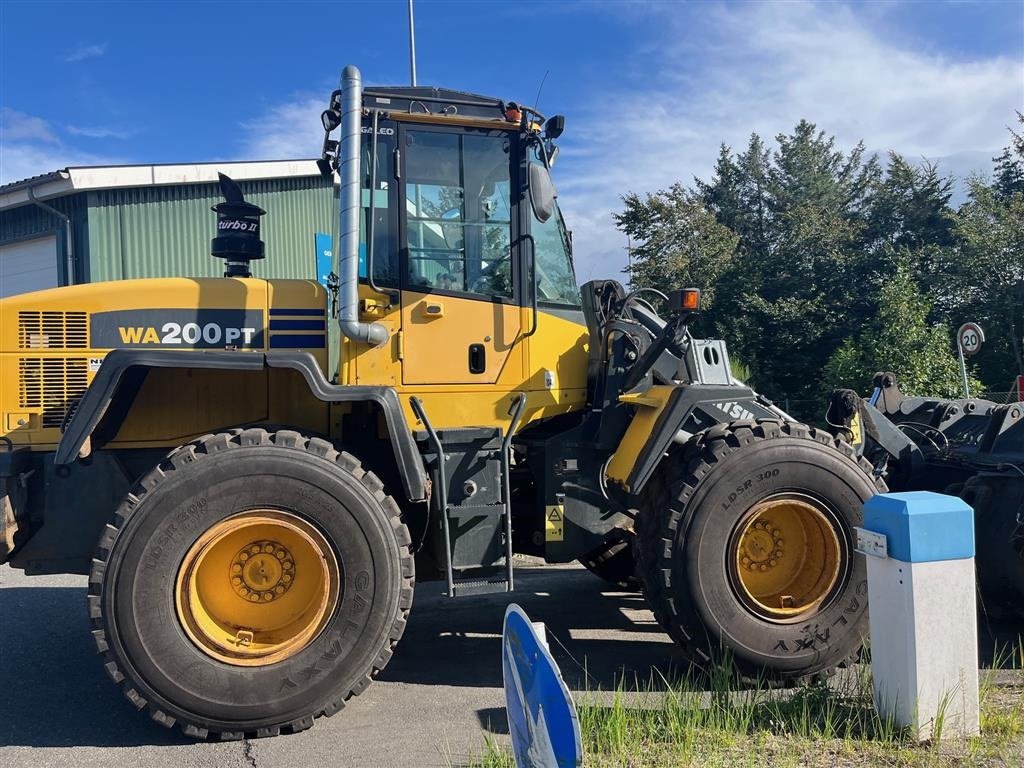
x,y
556,282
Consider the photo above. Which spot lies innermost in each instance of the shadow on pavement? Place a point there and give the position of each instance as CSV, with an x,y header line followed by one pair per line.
x,y
594,634
54,690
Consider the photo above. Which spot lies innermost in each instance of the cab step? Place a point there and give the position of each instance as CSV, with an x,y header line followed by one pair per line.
x,y
476,534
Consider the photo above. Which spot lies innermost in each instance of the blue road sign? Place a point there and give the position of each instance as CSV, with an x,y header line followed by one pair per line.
x,y
542,719
324,246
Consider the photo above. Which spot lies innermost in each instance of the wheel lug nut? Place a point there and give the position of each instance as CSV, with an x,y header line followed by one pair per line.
x,y
279,589
236,581
243,591
268,596
776,533
778,553
254,596
268,548
771,562
286,578
280,554
236,568
244,556
746,561
287,565
763,567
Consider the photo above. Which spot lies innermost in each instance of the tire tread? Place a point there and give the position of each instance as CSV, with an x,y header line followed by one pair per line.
x,y
197,450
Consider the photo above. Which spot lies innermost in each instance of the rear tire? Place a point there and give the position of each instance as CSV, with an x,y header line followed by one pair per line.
x,y
702,521
346,534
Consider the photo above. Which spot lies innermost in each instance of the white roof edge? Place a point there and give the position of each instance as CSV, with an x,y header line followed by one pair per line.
x,y
77,179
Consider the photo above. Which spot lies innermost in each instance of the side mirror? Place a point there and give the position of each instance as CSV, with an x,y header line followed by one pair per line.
x,y
542,192
554,127
330,119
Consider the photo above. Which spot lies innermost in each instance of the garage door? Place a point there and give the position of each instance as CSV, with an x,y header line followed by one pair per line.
x,y
28,265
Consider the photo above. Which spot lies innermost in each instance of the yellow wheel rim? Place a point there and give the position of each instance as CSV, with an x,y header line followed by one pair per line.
x,y
257,588
786,557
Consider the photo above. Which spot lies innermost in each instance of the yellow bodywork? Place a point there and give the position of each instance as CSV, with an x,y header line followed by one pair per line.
x,y
649,407
550,366
53,342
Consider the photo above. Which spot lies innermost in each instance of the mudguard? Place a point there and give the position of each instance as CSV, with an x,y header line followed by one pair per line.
x,y
119,362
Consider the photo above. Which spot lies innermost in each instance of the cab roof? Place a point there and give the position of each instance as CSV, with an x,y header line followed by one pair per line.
x,y
432,100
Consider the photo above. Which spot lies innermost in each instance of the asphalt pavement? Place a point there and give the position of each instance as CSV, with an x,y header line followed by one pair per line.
x,y
431,706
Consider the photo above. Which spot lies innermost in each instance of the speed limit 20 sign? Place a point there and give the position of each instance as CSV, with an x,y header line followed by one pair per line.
x,y
970,337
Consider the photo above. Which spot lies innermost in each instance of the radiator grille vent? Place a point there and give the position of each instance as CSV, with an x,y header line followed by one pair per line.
x,y
53,385
53,330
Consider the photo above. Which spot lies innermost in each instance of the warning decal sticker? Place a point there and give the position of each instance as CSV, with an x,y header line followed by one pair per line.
x,y
554,523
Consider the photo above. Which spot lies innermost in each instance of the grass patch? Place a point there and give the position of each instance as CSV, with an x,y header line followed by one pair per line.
x,y
715,720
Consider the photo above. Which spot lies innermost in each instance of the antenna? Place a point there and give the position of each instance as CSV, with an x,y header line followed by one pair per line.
x,y
412,46
536,101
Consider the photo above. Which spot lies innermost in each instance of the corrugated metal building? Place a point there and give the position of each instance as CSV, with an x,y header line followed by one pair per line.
x,y
90,224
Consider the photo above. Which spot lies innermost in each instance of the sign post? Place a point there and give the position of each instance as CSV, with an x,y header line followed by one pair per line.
x,y
922,612
969,339
542,719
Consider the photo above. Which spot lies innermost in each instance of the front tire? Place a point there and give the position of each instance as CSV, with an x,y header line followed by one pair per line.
x,y
746,549
251,582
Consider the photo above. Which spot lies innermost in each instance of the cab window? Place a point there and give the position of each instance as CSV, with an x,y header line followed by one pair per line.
x,y
556,283
375,203
457,212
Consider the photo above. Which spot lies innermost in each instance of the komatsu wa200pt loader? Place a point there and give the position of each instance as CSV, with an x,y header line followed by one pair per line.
x,y
254,472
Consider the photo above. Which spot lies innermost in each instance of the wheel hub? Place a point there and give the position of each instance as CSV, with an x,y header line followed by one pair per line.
x,y
786,557
263,571
257,588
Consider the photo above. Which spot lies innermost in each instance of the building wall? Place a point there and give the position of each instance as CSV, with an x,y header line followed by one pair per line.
x,y
30,221
166,231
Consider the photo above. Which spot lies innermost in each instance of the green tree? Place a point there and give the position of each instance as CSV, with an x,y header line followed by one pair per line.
x,y
899,338
677,242
989,275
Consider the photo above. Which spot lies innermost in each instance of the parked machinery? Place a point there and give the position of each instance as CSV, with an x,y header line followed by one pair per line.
x,y
202,448
971,448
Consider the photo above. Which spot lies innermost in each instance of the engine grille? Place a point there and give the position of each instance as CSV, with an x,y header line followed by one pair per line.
x,y
52,385
53,330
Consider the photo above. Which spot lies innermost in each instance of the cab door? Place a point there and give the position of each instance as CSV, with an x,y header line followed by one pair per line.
x,y
461,320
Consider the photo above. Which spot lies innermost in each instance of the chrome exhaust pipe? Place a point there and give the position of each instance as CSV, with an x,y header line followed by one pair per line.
x,y
350,194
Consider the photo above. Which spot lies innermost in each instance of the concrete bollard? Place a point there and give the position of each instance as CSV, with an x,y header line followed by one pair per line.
x,y
923,613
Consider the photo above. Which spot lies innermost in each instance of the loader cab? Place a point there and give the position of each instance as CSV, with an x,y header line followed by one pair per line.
x,y
455,254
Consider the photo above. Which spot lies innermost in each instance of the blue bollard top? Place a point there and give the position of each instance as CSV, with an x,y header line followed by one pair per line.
x,y
921,526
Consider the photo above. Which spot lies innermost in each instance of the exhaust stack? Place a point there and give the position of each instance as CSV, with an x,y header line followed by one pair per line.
x,y
350,193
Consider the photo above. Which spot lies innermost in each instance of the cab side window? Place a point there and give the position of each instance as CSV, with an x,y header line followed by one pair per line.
x,y
457,212
556,283
375,203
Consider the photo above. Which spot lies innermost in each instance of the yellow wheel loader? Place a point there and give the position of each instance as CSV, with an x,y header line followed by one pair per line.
x,y
254,472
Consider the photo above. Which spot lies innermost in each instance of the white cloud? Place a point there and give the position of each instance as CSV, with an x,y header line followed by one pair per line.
x,y
83,52
720,74
737,69
29,146
17,126
287,131
99,132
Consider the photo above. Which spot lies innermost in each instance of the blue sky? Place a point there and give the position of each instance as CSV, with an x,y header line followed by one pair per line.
x,y
650,89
